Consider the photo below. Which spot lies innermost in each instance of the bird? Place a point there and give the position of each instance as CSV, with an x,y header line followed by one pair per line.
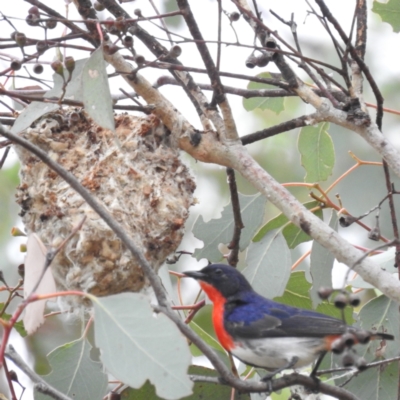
x,y
265,334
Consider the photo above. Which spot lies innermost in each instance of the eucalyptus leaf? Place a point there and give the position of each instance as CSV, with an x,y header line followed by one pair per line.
x,y
220,230
389,12
293,235
321,264
297,295
317,152
137,346
74,373
201,390
96,91
275,104
211,341
381,315
74,87
268,265
31,113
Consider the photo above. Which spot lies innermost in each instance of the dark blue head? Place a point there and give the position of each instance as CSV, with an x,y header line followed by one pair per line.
x,y
226,279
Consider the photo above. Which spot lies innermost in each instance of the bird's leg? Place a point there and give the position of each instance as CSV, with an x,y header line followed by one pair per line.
x,y
316,366
289,365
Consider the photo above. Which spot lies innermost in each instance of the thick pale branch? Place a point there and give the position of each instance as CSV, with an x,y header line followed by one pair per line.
x,y
313,226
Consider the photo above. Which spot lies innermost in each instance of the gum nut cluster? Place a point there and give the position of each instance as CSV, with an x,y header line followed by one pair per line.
x,y
135,173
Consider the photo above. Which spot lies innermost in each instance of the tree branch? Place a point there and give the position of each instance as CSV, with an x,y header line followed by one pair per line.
x,y
41,385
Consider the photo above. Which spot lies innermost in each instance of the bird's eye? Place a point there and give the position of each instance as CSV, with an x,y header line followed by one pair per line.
x,y
218,271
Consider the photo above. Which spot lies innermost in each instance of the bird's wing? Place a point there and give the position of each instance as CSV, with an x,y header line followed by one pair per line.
x,y
279,324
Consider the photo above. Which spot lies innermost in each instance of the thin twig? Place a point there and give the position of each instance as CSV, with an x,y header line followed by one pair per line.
x,y
41,385
233,246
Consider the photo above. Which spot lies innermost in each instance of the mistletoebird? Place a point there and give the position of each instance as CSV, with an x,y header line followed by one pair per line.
x,y
270,335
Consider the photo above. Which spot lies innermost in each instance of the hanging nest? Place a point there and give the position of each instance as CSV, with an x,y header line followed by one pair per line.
x,y
133,172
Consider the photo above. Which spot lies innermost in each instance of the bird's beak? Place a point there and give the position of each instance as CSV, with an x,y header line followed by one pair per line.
x,y
195,274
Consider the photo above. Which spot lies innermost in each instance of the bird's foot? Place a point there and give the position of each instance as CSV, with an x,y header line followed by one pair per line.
x,y
317,381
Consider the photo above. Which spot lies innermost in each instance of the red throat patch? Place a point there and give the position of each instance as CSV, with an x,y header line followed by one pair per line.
x,y
218,315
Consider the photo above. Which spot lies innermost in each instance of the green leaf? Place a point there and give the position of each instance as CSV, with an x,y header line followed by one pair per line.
x,y
293,235
18,326
211,341
268,265
74,373
201,390
376,383
389,12
297,295
96,91
317,152
137,346
74,88
275,104
37,109
220,230
321,264
31,113
379,315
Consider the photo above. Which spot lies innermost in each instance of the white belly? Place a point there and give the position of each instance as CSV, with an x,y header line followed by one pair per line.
x,y
274,353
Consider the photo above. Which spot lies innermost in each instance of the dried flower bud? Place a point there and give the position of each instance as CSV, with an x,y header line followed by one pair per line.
x,y
12,36
341,300
98,6
354,300
20,39
347,220
69,63
13,375
361,364
362,336
263,59
349,339
140,60
251,61
15,65
34,10
138,12
38,69
32,19
58,67
234,16
51,23
21,270
338,346
41,47
374,234
348,359
175,51
324,292
270,43
128,41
